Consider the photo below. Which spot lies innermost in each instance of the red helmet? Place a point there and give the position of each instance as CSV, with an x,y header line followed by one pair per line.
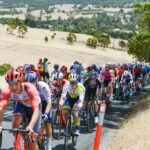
x,y
22,70
13,76
32,67
63,69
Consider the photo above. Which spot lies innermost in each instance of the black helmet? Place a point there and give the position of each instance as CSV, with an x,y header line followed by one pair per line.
x,y
93,75
56,66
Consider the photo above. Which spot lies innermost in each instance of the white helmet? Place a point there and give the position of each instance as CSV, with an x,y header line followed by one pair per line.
x,y
126,73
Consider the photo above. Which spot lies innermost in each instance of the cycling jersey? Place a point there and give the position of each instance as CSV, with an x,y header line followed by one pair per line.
x,y
78,92
106,75
29,96
127,78
44,91
56,88
91,88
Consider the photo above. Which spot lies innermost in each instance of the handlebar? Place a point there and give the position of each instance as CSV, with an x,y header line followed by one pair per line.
x,y
19,131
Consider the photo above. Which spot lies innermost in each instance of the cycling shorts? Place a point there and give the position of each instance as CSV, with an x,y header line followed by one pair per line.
x,y
106,82
91,93
27,112
69,102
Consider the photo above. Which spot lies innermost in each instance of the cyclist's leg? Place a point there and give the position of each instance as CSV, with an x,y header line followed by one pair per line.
x,y
67,106
36,128
18,116
76,115
48,125
110,90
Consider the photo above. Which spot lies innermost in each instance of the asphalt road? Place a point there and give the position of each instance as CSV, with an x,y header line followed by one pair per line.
x,y
113,117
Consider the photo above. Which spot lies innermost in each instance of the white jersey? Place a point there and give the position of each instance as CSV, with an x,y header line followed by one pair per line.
x,y
44,91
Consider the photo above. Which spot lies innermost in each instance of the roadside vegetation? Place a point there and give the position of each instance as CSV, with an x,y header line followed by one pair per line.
x,y
4,68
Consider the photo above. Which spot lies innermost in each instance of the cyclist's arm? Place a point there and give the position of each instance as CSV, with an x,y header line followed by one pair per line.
x,y
64,94
3,103
35,100
81,97
48,99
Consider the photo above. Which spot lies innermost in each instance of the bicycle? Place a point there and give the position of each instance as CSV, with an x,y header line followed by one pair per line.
x,y
21,134
125,92
88,116
70,131
41,136
58,120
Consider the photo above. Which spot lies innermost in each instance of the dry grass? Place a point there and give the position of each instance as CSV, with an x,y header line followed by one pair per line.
x,y
135,132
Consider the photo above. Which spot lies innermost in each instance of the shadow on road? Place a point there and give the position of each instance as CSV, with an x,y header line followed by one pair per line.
x,y
119,112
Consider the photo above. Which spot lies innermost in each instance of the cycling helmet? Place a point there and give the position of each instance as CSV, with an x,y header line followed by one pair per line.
x,y
58,75
85,74
13,76
32,67
73,78
77,68
93,75
76,62
107,68
56,66
126,73
63,69
27,67
31,77
89,68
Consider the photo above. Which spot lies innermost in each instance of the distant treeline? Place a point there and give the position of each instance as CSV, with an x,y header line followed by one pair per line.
x,y
45,3
106,24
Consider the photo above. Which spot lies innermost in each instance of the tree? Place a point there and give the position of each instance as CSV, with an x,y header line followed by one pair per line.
x,y
122,44
46,39
139,46
143,12
92,42
104,40
71,38
22,29
12,25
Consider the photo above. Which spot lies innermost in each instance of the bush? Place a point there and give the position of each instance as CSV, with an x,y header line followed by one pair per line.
x,y
4,68
92,42
46,39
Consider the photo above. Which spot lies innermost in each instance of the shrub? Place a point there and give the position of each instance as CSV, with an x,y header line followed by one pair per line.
x,y
4,68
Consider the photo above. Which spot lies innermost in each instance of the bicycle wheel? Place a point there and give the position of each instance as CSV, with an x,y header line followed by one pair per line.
x,y
67,133
74,137
89,122
56,124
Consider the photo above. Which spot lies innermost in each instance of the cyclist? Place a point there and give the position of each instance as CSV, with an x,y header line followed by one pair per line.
x,y
72,97
106,78
92,90
45,96
66,74
55,71
27,103
127,78
58,84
